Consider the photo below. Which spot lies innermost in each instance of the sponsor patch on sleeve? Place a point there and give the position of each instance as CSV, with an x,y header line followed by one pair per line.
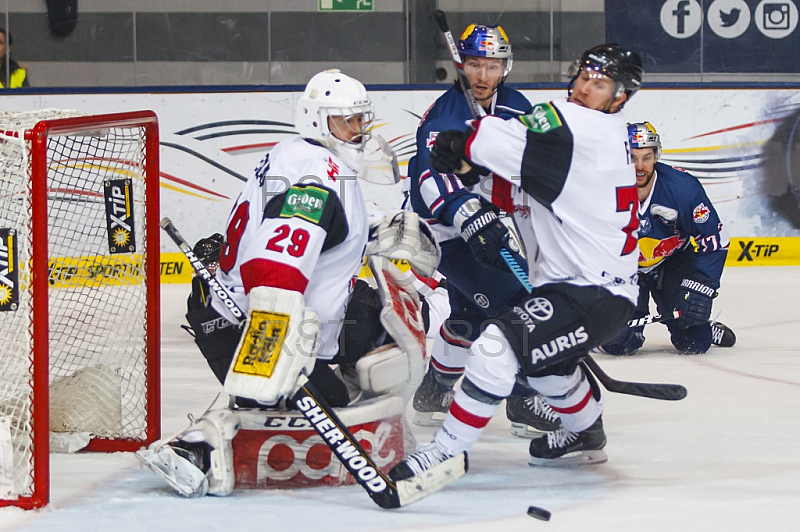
x,y
701,213
306,202
542,118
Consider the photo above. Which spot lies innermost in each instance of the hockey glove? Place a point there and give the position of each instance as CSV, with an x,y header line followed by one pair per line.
x,y
694,302
447,157
486,236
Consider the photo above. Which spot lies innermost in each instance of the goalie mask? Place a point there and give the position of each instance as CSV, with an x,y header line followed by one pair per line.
x,y
344,100
644,135
487,41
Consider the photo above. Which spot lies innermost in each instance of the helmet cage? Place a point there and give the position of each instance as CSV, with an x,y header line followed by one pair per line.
x,y
644,135
328,94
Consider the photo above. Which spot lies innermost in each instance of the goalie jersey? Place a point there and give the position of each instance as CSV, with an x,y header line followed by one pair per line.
x,y
299,224
577,190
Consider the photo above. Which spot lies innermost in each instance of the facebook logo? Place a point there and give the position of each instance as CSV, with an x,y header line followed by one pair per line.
x,y
681,18
681,13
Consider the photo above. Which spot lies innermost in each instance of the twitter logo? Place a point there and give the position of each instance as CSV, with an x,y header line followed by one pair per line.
x,y
728,18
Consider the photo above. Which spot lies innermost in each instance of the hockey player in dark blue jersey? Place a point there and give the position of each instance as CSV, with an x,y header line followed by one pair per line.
x,y
682,251
479,284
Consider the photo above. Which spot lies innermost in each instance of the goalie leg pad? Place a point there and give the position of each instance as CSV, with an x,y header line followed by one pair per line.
x,y
384,370
278,345
219,428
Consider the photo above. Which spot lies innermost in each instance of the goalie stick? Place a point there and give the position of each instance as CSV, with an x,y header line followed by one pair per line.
x,y
475,109
334,433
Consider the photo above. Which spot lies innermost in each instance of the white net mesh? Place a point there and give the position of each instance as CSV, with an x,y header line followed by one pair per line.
x,y
97,299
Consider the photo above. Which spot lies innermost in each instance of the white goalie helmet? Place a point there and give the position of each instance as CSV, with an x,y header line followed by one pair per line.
x,y
334,94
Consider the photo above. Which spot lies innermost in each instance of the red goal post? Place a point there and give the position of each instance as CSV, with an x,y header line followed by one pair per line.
x,y
79,290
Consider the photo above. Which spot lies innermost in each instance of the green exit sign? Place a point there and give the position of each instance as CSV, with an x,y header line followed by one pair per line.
x,y
346,5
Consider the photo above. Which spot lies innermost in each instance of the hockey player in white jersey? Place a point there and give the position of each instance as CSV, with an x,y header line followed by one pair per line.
x,y
578,180
292,251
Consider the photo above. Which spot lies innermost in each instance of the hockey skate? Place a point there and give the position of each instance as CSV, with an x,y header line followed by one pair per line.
x,y
199,460
722,335
431,401
530,415
564,448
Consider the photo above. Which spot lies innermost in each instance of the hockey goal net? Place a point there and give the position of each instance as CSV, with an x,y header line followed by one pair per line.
x,y
79,290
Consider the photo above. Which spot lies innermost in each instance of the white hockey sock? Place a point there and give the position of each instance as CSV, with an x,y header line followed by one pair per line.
x,y
571,397
449,354
464,423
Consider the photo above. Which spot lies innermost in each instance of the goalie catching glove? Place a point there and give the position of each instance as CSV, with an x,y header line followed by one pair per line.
x,y
277,348
402,235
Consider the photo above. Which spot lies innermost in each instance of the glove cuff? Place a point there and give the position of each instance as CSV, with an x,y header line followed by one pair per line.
x,y
477,222
700,288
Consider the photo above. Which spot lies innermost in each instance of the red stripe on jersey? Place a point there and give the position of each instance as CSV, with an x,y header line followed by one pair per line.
x,y
501,194
436,204
429,281
265,272
444,369
453,339
577,408
468,418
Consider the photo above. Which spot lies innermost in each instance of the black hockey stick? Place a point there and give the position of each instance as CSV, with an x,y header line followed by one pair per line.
x,y
665,392
474,106
654,318
382,490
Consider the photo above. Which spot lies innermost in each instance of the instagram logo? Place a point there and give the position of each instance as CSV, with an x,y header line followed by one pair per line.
x,y
776,19
776,16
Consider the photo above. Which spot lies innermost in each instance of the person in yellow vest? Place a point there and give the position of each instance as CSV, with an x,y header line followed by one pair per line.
x,y
12,75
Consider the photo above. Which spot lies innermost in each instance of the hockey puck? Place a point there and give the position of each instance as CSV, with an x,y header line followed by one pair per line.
x,y
538,513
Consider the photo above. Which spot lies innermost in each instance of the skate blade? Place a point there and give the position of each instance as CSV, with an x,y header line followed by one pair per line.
x,y
434,479
521,430
575,459
428,419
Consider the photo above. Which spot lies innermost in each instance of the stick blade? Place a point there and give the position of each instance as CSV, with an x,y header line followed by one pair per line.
x,y
441,19
430,481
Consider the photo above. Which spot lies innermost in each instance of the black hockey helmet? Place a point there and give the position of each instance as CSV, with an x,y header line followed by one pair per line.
x,y
614,61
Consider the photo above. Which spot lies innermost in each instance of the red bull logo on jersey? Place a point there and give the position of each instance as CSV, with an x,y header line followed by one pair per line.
x,y
701,213
652,251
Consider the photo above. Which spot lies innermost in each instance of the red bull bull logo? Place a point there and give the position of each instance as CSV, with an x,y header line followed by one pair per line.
x,y
701,213
652,251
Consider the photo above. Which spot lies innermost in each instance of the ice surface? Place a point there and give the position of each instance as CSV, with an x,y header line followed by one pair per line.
x,y
726,458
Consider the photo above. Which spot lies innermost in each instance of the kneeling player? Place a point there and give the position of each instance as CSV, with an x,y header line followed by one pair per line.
x,y
674,211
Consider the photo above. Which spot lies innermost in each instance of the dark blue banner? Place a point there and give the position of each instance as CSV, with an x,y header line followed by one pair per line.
x,y
693,36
